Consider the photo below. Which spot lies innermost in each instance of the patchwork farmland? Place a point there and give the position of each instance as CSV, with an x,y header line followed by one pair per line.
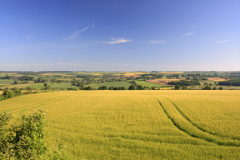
x,y
139,124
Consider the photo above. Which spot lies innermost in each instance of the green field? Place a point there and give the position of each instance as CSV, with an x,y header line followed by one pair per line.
x,y
109,84
16,85
6,81
144,83
139,124
64,85
38,85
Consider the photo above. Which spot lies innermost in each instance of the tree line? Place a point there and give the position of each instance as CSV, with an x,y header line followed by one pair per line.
x,y
230,83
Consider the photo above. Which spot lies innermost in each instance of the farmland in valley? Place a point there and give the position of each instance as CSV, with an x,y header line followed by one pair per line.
x,y
216,79
139,124
162,81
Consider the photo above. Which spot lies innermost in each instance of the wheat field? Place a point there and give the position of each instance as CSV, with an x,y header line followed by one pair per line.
x,y
139,124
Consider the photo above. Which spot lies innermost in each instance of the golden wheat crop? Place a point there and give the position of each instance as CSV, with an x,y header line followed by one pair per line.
x,y
139,124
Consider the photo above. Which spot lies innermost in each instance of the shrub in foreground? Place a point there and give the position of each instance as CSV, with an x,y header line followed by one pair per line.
x,y
26,139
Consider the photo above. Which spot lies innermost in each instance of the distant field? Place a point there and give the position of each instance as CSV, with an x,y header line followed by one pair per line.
x,y
144,83
38,85
162,81
171,72
216,79
16,85
109,84
56,74
63,85
139,124
6,81
9,74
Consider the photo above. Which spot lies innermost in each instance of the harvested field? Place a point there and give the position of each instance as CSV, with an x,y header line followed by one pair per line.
x,y
171,72
162,81
132,76
217,79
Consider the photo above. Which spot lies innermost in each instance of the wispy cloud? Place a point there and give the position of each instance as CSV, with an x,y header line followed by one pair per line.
x,y
92,25
75,35
117,40
189,34
157,42
221,41
193,27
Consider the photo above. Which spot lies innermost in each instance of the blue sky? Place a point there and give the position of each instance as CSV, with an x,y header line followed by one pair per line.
x,y
120,35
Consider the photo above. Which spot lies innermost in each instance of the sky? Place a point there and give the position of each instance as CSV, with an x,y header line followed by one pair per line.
x,y
120,35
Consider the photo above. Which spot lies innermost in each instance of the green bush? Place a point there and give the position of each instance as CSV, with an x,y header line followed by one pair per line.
x,y
8,94
207,88
72,89
102,88
132,87
26,139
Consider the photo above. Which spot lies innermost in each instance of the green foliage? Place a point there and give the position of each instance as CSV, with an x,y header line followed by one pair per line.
x,y
111,88
26,138
140,87
220,88
230,83
48,87
72,89
184,87
103,88
122,88
8,93
153,88
134,83
132,87
207,88
88,88
177,87
185,83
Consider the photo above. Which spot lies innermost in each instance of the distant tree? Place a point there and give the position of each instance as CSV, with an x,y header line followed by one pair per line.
x,y
207,88
103,88
140,87
132,87
115,88
88,88
184,87
134,83
8,93
47,88
16,82
122,88
45,84
29,88
220,88
214,88
153,88
110,88
177,87
72,88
